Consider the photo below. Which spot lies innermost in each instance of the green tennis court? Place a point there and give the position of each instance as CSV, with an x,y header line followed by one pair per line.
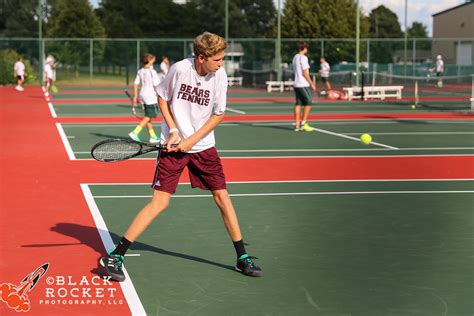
x,y
327,248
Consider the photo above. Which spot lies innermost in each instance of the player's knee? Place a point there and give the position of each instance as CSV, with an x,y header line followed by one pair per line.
x,y
220,196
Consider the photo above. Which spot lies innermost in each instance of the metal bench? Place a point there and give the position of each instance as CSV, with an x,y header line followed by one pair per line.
x,y
374,92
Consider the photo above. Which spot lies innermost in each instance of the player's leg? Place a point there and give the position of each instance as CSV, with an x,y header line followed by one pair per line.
x,y
136,132
297,109
168,170
206,172
245,264
308,101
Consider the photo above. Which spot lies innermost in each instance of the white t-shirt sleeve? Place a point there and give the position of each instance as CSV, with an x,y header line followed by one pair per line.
x,y
220,100
166,88
137,78
304,62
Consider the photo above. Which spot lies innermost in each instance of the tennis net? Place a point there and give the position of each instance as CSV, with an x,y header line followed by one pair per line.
x,y
445,93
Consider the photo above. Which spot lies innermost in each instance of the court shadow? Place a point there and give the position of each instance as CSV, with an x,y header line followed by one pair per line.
x,y
87,235
289,128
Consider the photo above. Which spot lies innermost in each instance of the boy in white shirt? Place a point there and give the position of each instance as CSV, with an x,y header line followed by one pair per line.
x,y
148,78
165,65
19,73
192,100
324,72
302,85
48,74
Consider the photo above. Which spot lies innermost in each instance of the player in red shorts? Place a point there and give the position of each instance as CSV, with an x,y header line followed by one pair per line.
x,y
192,100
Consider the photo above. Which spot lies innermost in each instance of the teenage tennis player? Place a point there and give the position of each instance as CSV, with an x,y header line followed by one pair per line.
x,y
192,99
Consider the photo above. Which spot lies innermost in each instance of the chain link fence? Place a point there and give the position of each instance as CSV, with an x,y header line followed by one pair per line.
x,y
95,61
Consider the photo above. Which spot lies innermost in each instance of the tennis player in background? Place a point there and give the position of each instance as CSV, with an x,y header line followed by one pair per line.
x,y
19,73
147,79
302,86
48,74
192,99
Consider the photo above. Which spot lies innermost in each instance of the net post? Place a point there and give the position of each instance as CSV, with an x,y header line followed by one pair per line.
x,y
417,99
472,93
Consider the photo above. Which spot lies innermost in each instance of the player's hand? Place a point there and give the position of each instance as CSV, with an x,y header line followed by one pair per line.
x,y
313,88
135,102
185,145
173,140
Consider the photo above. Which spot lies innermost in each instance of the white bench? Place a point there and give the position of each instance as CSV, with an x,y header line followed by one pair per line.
x,y
279,85
374,92
234,81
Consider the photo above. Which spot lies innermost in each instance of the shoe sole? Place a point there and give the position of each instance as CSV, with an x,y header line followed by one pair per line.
x,y
252,275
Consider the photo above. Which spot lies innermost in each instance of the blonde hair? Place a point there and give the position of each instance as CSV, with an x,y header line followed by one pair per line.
x,y
208,44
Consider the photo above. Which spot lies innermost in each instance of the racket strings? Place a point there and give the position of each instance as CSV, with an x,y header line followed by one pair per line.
x,y
118,150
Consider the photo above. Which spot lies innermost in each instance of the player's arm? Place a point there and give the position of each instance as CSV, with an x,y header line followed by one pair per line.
x,y
169,119
135,95
210,125
308,78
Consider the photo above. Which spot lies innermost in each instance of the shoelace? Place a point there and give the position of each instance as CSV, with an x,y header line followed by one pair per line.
x,y
250,261
117,261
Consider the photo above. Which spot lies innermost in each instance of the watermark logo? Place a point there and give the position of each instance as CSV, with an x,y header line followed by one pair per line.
x,y
15,296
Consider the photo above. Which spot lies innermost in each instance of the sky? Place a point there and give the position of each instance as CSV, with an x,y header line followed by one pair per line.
x,y
418,10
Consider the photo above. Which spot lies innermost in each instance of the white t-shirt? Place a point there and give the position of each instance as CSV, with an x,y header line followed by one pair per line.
x,y
19,68
149,79
48,71
300,63
193,99
164,67
439,65
324,69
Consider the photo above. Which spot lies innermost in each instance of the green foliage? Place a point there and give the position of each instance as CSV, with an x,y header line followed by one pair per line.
x,y
384,24
76,19
8,58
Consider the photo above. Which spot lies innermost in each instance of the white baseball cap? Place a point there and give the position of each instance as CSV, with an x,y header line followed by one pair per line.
x,y
439,57
49,59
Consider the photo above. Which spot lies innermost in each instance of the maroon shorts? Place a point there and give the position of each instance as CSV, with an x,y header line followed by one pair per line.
x,y
205,170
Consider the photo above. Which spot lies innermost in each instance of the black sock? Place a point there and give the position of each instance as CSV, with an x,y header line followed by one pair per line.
x,y
122,247
239,248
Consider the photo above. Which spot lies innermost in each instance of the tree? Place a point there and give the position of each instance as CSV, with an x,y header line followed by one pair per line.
x,y
331,19
74,19
384,24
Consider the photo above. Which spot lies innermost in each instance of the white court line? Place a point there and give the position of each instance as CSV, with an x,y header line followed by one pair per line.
x,y
51,109
353,138
128,289
301,181
235,111
285,194
66,143
417,133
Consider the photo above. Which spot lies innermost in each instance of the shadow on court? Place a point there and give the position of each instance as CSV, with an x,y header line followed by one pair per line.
x,y
87,235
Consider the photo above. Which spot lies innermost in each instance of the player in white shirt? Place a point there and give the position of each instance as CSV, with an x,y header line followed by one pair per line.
x,y
303,86
439,69
48,74
148,79
192,100
19,73
324,72
165,65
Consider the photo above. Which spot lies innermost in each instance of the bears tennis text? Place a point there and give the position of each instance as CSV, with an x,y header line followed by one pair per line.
x,y
194,95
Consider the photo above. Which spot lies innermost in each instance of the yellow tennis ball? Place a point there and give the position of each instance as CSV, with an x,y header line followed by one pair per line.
x,y
413,106
365,139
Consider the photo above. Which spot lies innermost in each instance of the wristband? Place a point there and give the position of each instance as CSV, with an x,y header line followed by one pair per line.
x,y
173,130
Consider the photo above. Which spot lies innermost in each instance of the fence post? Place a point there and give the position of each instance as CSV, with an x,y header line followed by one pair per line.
x,y
322,47
91,59
138,54
184,49
368,53
414,57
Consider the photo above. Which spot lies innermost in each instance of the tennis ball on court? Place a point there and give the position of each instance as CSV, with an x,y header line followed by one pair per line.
x,y
440,84
54,89
338,49
413,106
365,139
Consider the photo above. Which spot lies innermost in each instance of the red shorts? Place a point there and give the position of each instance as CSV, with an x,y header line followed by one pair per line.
x,y
205,170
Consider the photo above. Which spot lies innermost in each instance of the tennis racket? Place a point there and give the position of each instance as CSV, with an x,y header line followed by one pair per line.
x,y
138,110
119,149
